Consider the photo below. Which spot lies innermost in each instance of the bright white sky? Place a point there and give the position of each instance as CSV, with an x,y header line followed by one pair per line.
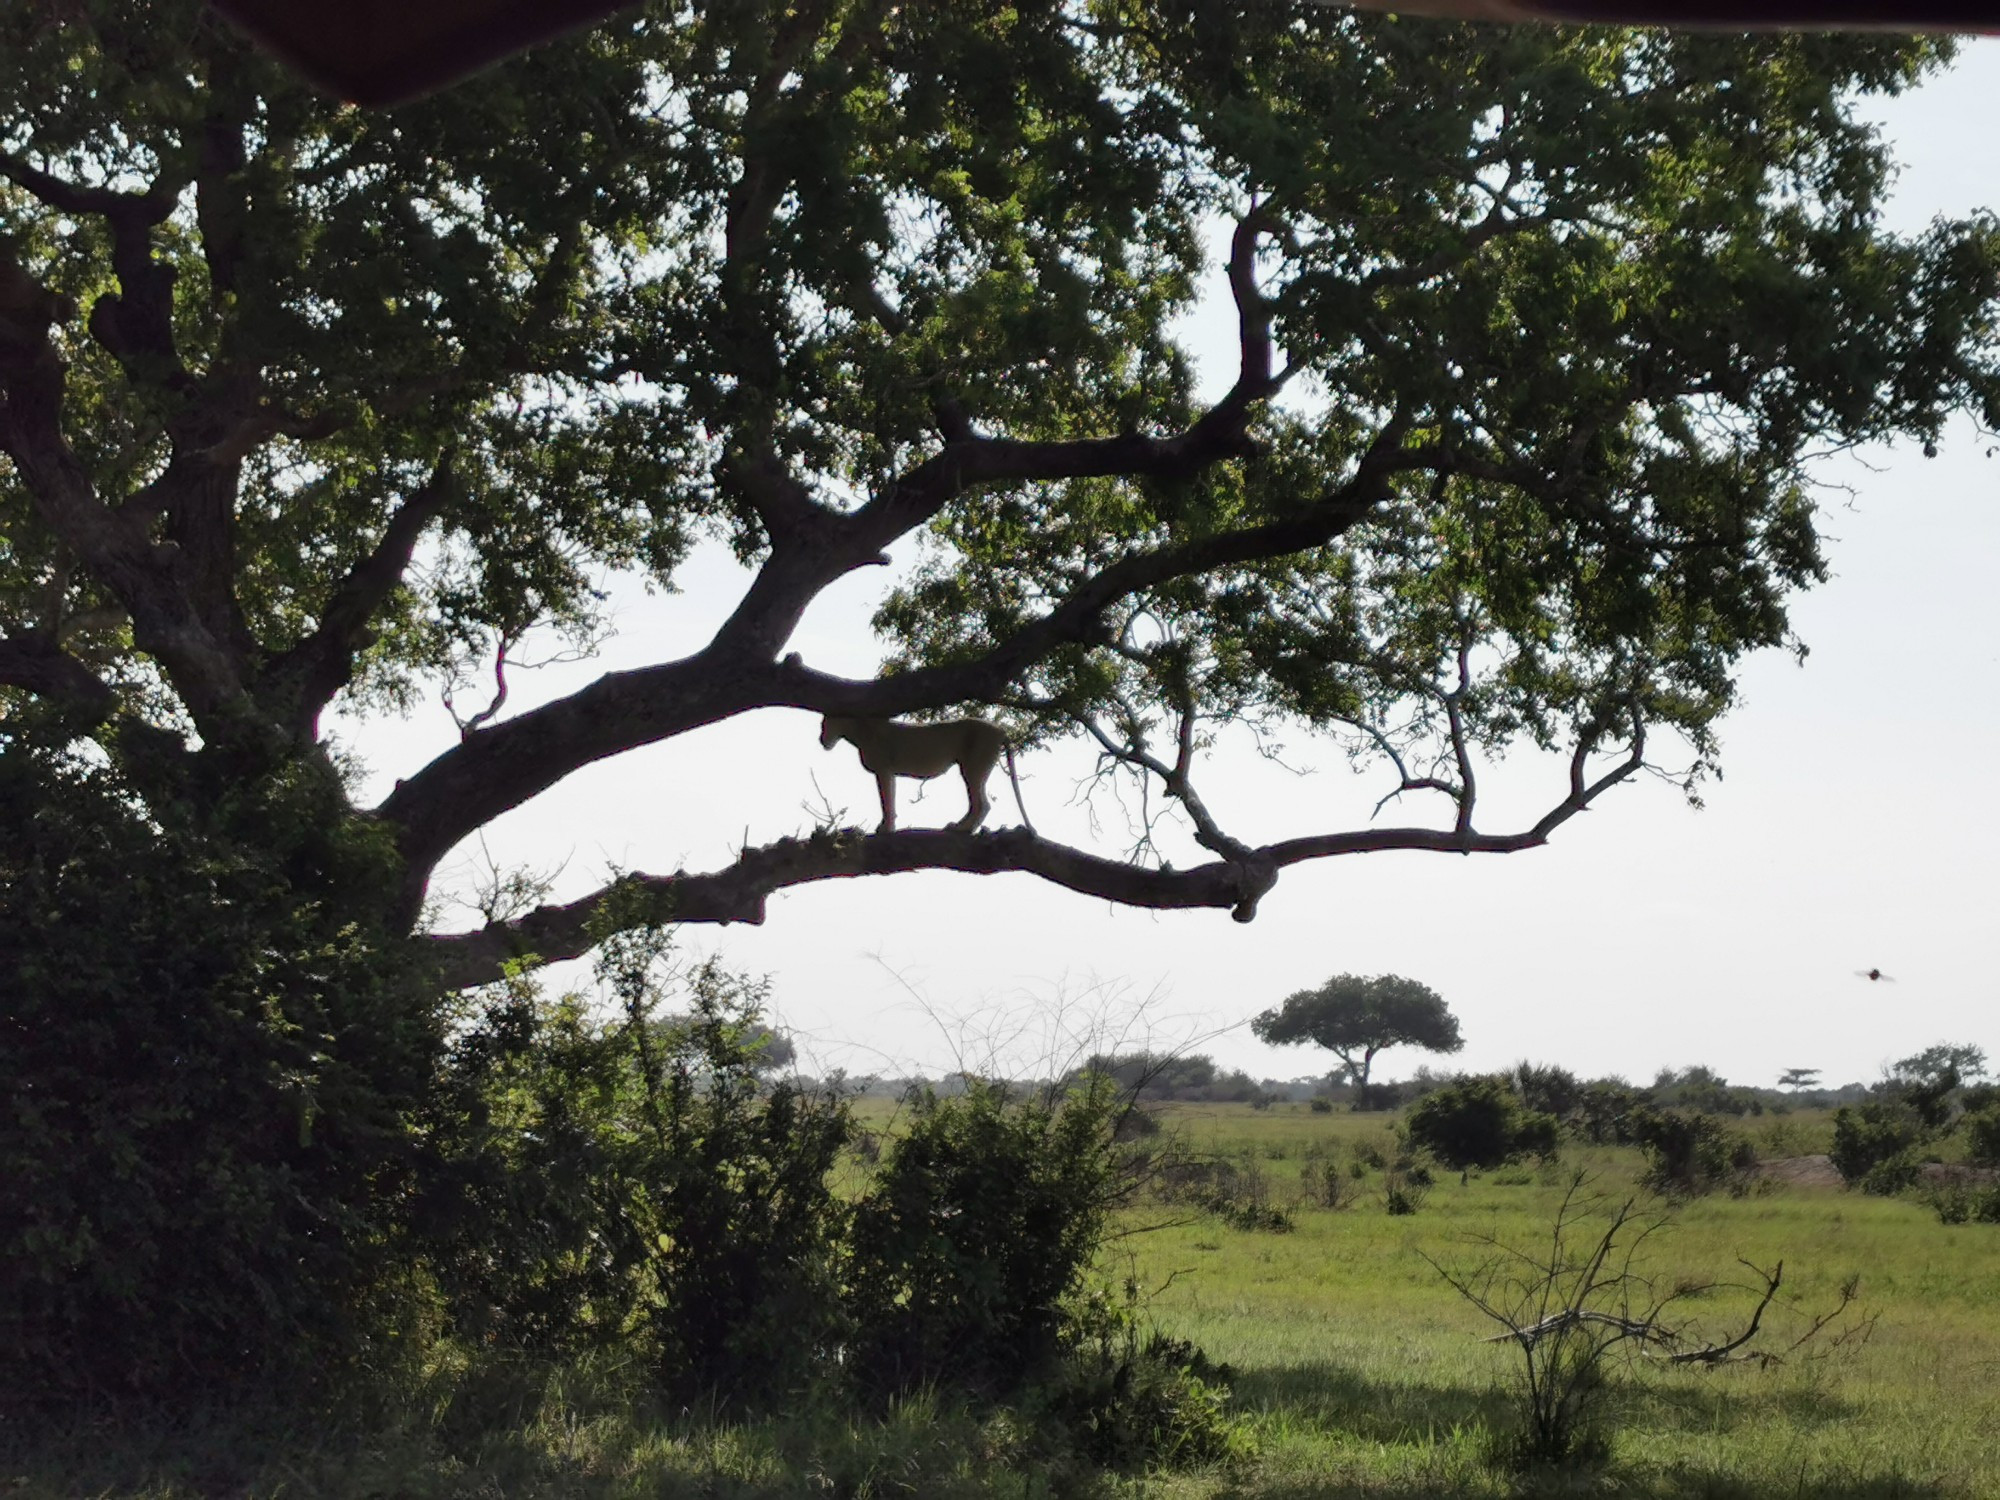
x,y
1855,827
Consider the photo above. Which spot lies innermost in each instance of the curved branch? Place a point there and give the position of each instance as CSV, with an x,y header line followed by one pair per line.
x,y
740,892
324,660
504,765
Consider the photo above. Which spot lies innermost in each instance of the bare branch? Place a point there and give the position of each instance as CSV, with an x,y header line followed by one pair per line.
x,y
469,725
1176,777
1715,1354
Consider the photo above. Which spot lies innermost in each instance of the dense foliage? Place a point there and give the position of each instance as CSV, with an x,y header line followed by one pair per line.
x,y
1880,1142
978,1230
1160,1076
214,1087
1688,1153
302,405
1480,1122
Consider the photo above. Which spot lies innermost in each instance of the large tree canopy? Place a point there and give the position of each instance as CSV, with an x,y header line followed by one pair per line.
x,y
1355,1016
1538,331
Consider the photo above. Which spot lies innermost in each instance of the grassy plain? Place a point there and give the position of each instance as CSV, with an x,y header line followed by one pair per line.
x,y
1358,1372
1362,1374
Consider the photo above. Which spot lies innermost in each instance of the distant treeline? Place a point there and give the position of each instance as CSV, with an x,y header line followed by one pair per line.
x,y
1154,1077
1197,1078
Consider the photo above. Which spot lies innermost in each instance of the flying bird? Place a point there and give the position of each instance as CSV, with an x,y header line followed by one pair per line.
x,y
1874,974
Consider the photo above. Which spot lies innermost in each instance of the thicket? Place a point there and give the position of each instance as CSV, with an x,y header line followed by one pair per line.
x,y
260,1159
1191,1077
1486,1121
1688,1154
1881,1143
1480,1122
212,1147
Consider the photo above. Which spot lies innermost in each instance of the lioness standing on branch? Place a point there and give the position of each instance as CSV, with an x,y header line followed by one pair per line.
x,y
891,749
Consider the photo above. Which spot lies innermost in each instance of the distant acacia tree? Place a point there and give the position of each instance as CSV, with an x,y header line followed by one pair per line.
x,y
1798,1078
1354,1018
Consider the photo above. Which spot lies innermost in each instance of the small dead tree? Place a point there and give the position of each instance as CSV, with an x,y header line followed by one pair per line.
x,y
1581,1300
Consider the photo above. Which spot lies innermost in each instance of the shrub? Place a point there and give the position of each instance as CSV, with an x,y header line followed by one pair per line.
x,y
1379,1097
1320,1181
1581,1298
981,1223
210,1085
1704,1091
1875,1143
744,1285
535,1228
1607,1111
642,1168
1958,1202
1400,1196
1691,1154
1982,1134
1123,1401
1548,1090
1892,1175
1478,1122
1321,1105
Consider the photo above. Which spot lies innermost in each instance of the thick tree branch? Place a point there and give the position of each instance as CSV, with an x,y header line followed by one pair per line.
x,y
323,662
200,637
812,546
151,580
740,893
506,764
50,672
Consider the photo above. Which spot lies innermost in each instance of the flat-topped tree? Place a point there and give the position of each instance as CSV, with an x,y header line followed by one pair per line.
x,y
301,404
1355,1017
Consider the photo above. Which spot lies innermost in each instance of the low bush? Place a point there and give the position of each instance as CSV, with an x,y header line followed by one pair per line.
x,y
1607,1112
1962,1202
639,1181
1875,1143
1479,1122
980,1225
1981,1126
1237,1192
1691,1154
1126,1401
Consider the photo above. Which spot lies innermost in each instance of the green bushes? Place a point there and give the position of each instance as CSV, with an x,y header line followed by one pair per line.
x,y
1981,1125
247,1146
1691,1154
208,1147
982,1221
747,1232
1479,1122
1875,1144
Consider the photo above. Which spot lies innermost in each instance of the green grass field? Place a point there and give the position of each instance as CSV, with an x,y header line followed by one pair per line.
x,y
1358,1371
1362,1373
